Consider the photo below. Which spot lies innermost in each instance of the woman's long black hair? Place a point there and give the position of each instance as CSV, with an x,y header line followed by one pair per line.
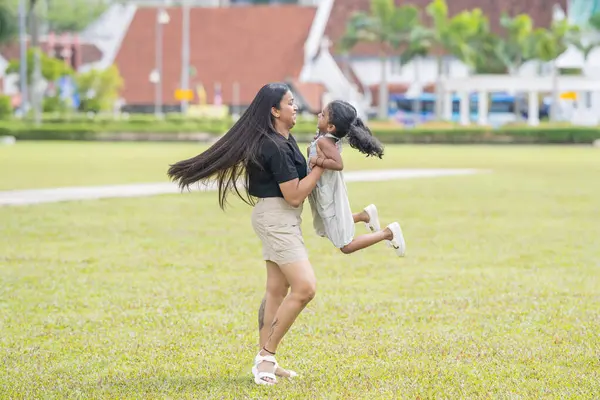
x,y
226,160
345,118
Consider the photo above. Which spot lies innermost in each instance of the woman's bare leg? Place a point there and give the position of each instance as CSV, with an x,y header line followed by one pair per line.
x,y
276,290
301,278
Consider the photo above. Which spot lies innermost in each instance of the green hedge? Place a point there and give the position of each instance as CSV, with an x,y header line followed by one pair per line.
x,y
86,129
90,130
558,135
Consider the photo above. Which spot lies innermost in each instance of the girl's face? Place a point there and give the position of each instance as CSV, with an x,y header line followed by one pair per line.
x,y
323,124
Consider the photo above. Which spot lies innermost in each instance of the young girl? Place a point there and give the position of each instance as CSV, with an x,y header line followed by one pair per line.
x,y
332,216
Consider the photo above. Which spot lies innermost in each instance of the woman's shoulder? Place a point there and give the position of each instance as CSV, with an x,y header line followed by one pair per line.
x,y
273,143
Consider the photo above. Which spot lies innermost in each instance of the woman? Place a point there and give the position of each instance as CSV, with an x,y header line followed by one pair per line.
x,y
260,149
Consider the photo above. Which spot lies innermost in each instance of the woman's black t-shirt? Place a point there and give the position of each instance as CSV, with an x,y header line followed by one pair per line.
x,y
281,161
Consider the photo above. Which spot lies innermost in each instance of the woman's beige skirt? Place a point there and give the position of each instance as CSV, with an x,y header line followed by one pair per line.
x,y
278,225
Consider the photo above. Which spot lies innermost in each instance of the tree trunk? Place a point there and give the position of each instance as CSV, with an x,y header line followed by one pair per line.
x,y
37,78
346,65
438,90
512,70
555,97
417,105
383,89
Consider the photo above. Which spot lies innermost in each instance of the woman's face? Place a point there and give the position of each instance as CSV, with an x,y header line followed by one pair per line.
x,y
287,110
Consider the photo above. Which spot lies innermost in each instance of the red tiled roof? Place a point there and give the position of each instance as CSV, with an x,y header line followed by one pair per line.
x,y
540,11
248,45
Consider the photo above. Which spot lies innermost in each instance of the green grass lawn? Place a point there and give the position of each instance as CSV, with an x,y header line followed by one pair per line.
x,y
32,165
157,297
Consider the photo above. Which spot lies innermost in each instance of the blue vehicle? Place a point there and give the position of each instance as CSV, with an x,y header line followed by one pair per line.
x,y
501,108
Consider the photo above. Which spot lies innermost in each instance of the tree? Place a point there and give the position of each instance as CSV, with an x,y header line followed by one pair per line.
x,y
487,60
73,15
51,68
483,42
418,46
587,44
594,21
516,47
8,23
454,36
387,26
99,90
67,15
548,45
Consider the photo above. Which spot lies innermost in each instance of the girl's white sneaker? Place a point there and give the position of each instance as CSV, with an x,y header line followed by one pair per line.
x,y
373,225
397,241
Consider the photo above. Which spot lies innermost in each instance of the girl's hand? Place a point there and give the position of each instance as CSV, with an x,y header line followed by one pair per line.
x,y
320,152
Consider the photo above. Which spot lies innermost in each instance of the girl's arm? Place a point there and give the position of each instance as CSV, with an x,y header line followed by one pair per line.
x,y
296,191
329,156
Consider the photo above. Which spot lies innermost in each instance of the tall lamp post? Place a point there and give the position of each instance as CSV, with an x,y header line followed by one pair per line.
x,y
185,53
162,18
23,63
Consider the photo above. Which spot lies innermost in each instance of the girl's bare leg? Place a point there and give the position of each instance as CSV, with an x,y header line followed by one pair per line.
x,y
369,239
361,217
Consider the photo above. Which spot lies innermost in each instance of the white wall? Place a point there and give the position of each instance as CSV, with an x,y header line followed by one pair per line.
x,y
368,70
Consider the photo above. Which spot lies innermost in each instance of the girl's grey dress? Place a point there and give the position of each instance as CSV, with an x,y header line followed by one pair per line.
x,y
332,216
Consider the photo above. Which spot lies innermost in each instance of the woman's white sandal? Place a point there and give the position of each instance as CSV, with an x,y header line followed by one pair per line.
x,y
259,376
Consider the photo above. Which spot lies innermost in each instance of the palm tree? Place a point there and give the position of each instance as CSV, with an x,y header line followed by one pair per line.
x,y
452,36
548,45
418,46
387,26
515,48
591,41
486,43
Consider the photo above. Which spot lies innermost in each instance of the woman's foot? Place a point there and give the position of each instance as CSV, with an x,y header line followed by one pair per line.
x,y
285,373
264,368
